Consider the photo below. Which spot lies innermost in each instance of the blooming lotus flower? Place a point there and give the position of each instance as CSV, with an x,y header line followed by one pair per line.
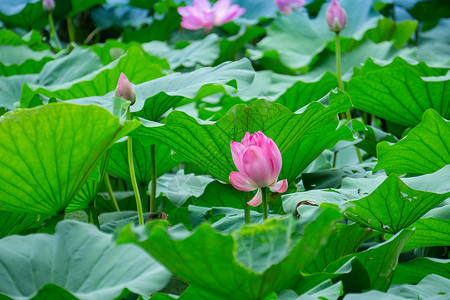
x,y
48,5
336,17
287,6
259,162
202,15
124,89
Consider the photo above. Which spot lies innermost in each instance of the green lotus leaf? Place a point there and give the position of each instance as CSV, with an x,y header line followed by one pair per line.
x,y
77,262
247,256
48,152
424,150
208,145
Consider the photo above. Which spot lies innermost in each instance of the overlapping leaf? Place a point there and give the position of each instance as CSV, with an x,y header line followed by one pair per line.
x,y
243,256
398,203
424,150
301,137
412,272
48,152
137,65
400,95
77,262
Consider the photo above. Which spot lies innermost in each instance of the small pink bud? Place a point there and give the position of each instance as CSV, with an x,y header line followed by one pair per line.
x,y
48,5
124,89
287,6
259,162
336,17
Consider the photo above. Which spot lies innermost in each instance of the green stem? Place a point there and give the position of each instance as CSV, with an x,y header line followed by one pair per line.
x,y
247,210
53,29
264,203
91,35
358,153
71,30
94,216
348,115
110,191
152,207
167,4
133,175
338,61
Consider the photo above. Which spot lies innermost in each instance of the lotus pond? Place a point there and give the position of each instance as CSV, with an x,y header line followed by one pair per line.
x,y
229,150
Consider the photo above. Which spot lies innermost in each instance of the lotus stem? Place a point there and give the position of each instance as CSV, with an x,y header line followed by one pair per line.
x,y
152,207
110,191
133,175
53,29
264,203
94,215
247,210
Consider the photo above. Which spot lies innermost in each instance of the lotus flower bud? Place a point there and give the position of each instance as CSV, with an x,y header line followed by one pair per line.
x,y
259,162
124,89
287,6
48,5
336,17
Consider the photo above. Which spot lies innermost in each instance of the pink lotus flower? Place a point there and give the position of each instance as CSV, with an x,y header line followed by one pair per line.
x,y
202,15
48,5
336,17
124,89
259,162
287,6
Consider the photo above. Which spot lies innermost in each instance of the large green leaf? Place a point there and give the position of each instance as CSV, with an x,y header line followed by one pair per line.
x,y
302,93
33,39
23,13
412,272
13,223
118,163
137,65
208,145
424,150
431,287
379,262
76,64
15,60
48,152
86,195
344,241
79,262
400,95
351,273
430,232
155,97
11,89
397,203
266,257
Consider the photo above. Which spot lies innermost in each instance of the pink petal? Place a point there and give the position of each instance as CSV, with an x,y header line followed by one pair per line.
x,y
191,23
237,151
221,5
202,4
275,157
256,200
246,139
280,187
208,19
241,182
257,166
